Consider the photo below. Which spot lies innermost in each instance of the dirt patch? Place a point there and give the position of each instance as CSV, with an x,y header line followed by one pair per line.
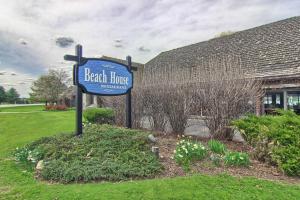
x,y
5,190
167,144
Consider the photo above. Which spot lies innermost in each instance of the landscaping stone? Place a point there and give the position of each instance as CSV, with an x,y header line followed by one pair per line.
x,y
155,150
40,165
237,136
197,127
152,138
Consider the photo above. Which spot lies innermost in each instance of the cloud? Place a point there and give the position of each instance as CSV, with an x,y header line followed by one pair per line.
x,y
22,41
118,45
64,41
29,29
13,74
143,49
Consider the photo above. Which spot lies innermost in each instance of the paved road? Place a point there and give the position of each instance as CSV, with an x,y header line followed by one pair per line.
x,y
15,105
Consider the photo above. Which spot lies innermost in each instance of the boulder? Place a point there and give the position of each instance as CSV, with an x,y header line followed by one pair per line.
x,y
237,136
152,138
40,165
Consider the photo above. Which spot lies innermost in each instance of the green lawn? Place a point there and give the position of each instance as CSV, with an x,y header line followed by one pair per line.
x,y
17,129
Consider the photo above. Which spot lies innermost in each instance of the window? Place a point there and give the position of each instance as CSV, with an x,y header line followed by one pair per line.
x,y
293,99
278,99
268,99
273,100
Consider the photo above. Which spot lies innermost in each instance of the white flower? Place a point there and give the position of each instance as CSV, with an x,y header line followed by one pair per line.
x,y
202,148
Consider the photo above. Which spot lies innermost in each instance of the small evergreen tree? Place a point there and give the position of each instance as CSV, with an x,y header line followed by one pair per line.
x,y
2,94
12,95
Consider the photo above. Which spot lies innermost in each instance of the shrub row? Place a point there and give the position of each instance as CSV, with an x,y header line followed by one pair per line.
x,y
276,139
56,108
99,115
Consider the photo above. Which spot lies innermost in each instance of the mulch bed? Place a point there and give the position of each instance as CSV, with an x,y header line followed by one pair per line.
x,y
167,144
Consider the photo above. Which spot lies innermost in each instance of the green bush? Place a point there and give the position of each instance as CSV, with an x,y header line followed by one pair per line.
x,y
237,159
103,152
276,139
187,151
99,115
217,147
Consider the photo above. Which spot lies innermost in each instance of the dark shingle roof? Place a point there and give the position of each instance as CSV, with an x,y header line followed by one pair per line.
x,y
135,65
272,50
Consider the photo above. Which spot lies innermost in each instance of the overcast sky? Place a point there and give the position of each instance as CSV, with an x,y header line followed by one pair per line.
x,y
35,34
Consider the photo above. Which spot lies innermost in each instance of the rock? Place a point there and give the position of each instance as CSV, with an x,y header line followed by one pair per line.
x,y
155,150
196,126
152,138
237,136
40,165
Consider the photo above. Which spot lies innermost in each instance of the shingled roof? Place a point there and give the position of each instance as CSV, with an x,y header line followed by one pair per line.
x,y
273,50
134,65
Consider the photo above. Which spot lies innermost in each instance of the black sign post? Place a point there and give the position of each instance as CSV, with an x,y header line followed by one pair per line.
x,y
78,95
100,77
77,58
128,99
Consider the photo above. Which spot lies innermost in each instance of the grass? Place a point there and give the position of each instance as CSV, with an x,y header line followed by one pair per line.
x,y
17,129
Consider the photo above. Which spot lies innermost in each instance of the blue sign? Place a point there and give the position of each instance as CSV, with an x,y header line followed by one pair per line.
x,y
104,77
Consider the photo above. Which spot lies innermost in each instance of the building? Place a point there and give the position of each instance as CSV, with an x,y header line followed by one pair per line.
x,y
272,50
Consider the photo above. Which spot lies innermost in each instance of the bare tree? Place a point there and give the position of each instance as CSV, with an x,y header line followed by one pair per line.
x,y
154,106
220,89
175,106
228,91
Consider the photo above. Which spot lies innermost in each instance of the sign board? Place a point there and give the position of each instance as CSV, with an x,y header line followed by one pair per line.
x,y
103,77
100,77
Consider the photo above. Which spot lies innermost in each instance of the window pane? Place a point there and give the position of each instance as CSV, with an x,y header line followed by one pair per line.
x,y
268,99
277,98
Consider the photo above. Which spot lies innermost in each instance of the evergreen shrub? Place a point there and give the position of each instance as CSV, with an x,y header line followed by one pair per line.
x,y
276,139
99,115
103,152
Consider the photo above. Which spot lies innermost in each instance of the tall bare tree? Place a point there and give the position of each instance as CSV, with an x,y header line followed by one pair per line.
x,y
227,92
